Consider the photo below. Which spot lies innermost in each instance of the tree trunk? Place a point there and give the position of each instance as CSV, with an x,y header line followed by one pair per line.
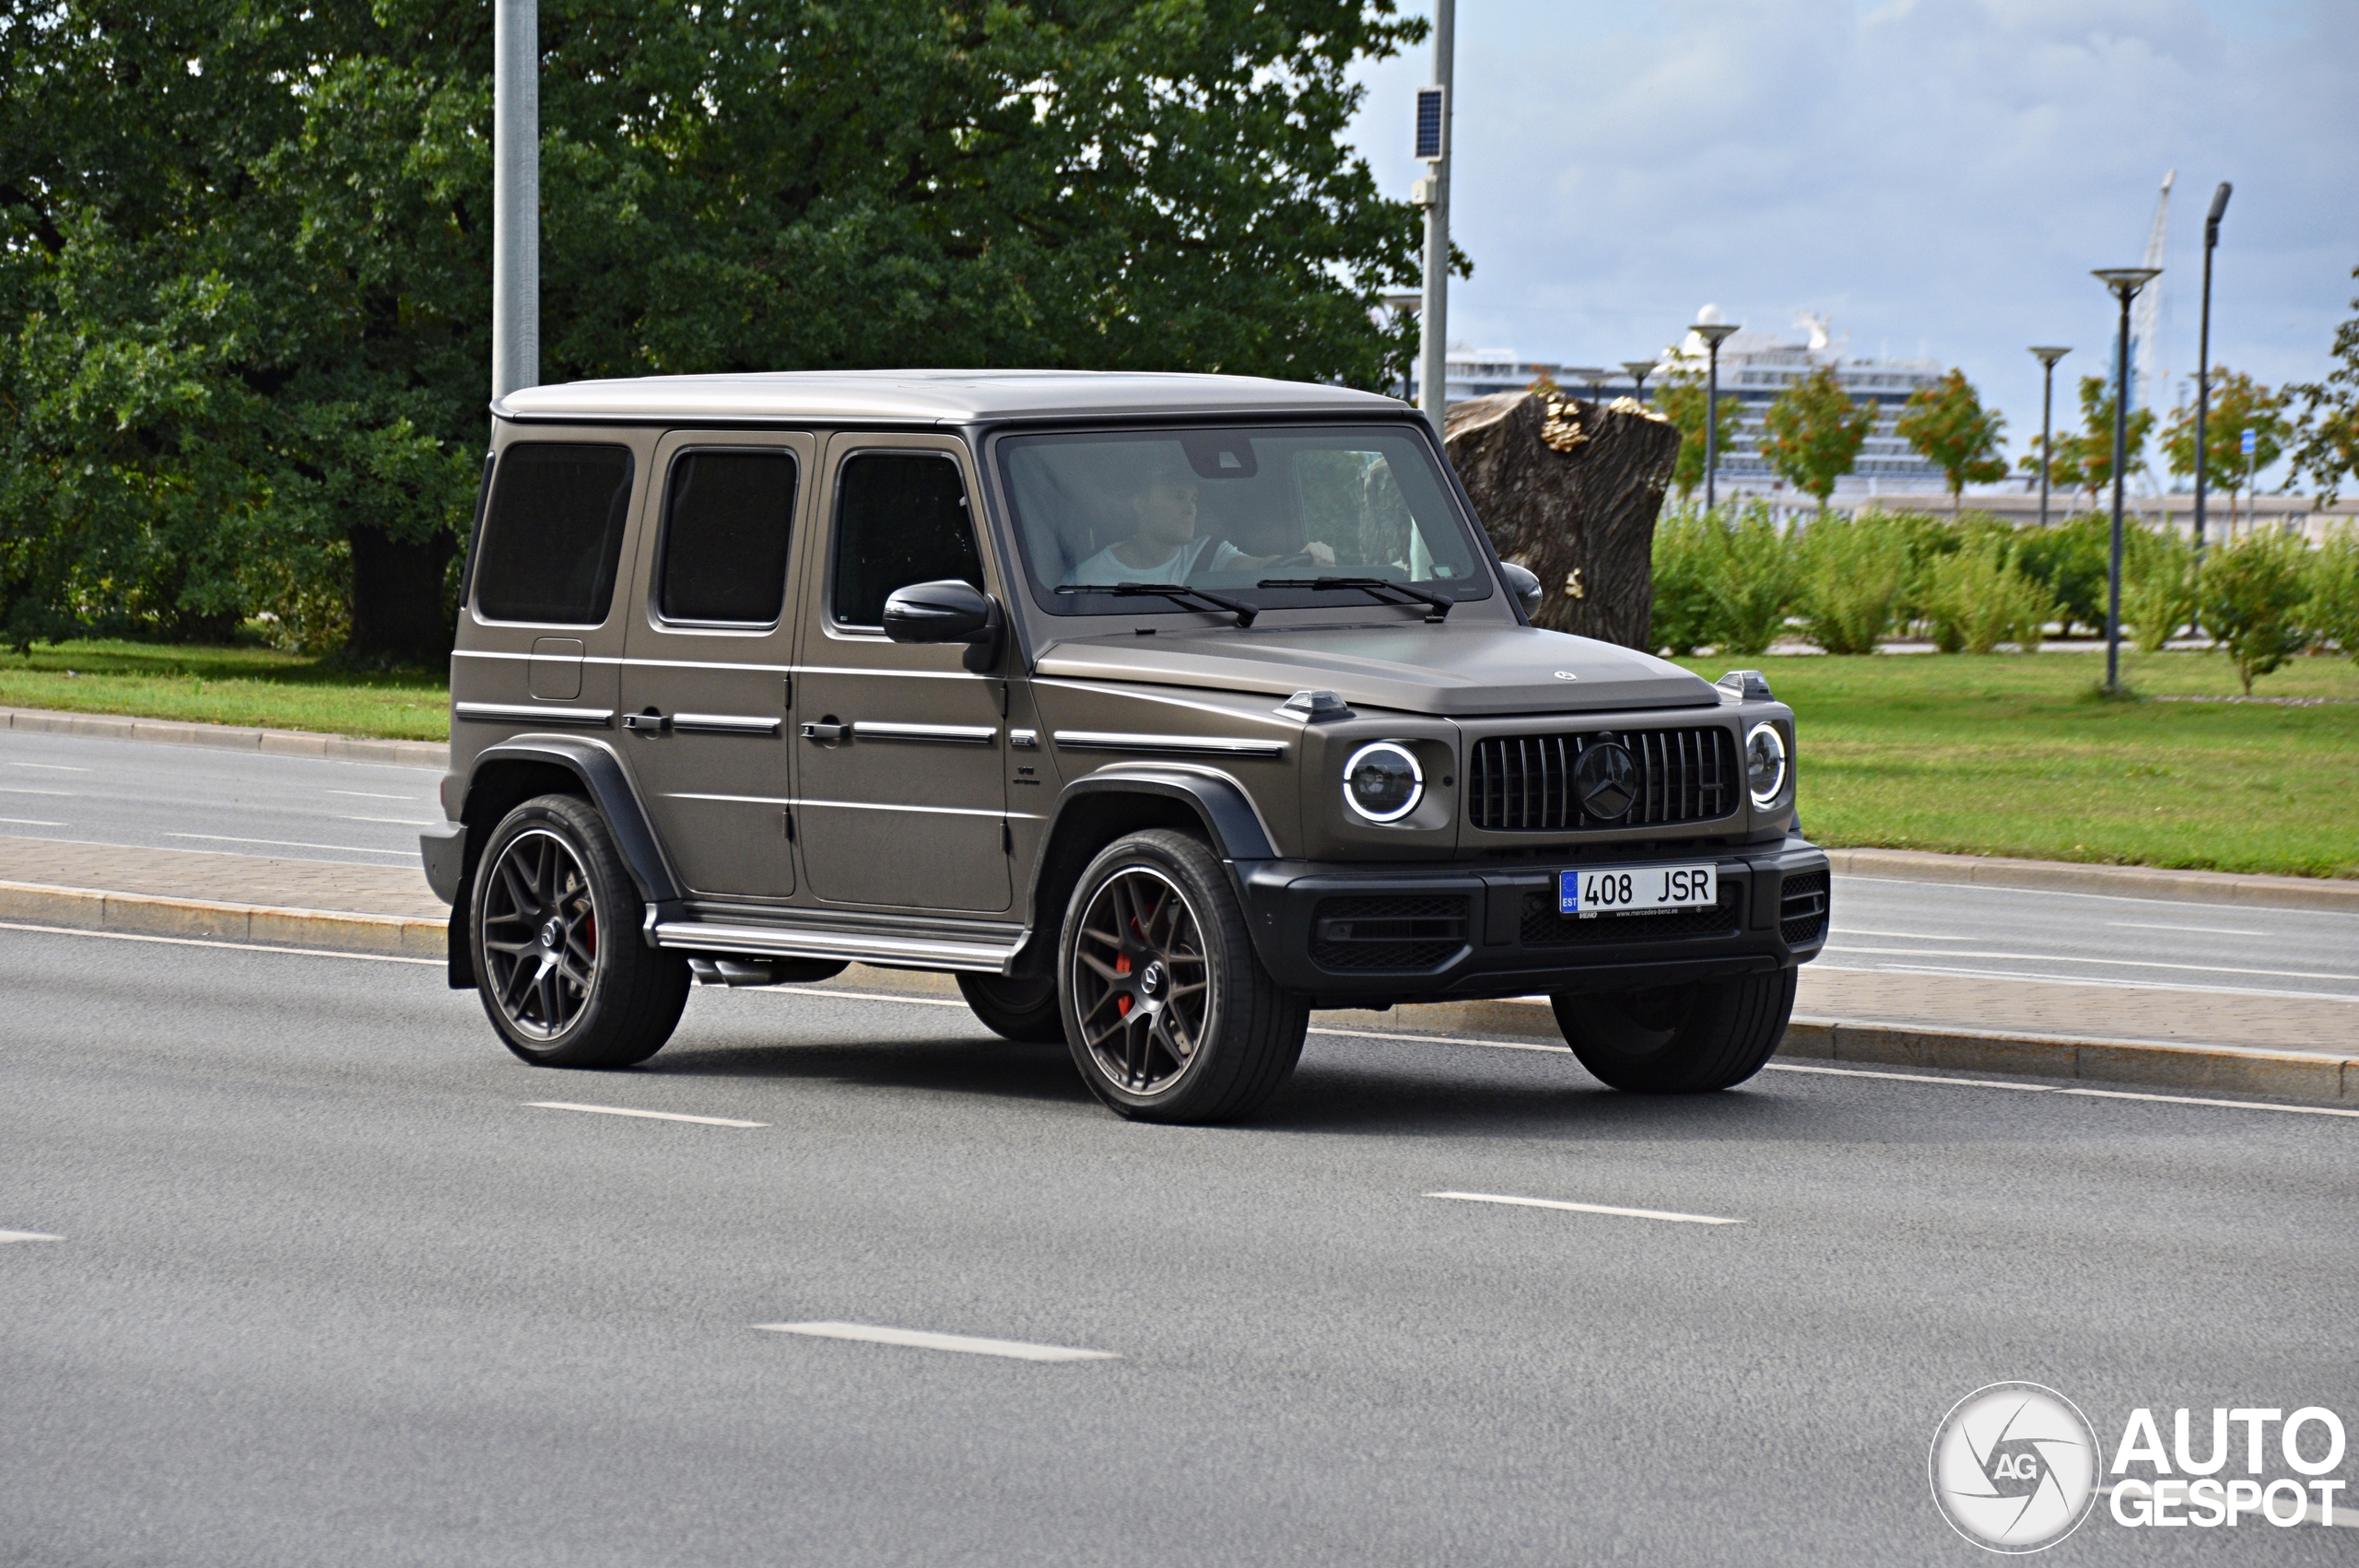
x,y
1571,490
397,593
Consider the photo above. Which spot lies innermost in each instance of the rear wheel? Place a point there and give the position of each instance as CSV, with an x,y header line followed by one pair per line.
x,y
1018,1008
554,923
1167,1009
1679,1039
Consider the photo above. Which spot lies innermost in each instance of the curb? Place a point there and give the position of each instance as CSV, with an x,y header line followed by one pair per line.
x,y
277,742
2121,882
2283,1075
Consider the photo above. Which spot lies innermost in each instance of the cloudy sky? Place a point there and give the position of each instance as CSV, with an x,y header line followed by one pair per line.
x,y
1938,176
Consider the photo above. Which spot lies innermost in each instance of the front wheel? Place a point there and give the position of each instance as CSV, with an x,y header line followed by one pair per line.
x,y
1679,1039
1167,1009
1022,1009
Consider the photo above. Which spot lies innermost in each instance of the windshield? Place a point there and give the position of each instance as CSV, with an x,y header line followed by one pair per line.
x,y
1231,511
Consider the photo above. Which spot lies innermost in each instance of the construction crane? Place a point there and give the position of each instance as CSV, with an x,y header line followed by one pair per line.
x,y
2145,322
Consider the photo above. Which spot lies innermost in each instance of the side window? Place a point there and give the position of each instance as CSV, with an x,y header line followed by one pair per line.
x,y
900,518
726,517
554,533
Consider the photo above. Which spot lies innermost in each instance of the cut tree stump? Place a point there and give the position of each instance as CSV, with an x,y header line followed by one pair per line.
x,y
1571,490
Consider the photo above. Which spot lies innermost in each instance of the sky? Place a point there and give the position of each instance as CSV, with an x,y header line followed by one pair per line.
x,y
1938,176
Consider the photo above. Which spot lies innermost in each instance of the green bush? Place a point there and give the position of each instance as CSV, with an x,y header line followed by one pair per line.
x,y
2251,595
2072,560
1683,613
2332,612
1978,598
2158,586
1853,572
1751,581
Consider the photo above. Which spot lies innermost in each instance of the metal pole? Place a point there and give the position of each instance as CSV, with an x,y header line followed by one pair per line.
x,y
515,196
2203,358
2120,460
1434,348
1712,427
2047,426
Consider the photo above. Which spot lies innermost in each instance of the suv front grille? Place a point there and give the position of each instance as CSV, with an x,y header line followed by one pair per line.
x,y
1412,931
1802,907
1524,783
1544,927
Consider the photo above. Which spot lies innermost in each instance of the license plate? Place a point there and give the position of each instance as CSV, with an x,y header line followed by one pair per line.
x,y
1618,889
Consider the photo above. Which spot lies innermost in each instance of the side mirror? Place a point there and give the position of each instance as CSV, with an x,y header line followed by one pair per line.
x,y
1524,586
948,611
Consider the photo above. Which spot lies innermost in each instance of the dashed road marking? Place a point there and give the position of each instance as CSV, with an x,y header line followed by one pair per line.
x,y
27,1235
1588,1208
923,1340
651,1116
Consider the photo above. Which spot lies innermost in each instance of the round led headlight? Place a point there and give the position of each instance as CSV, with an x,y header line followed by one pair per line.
x,y
1765,762
1382,782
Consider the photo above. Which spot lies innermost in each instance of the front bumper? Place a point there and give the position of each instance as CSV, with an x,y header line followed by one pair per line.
x,y
1365,935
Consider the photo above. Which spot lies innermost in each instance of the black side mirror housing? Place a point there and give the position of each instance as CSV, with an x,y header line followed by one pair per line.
x,y
948,611
1524,586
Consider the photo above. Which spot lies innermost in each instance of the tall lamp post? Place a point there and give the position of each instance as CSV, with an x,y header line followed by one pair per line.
x,y
2048,358
1640,370
2203,356
2125,282
1714,333
1432,194
515,196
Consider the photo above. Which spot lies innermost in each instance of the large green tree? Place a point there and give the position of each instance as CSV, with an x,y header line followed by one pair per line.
x,y
244,249
1816,432
2238,403
1683,399
2328,449
1948,426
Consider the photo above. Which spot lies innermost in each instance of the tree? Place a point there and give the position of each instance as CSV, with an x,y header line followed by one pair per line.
x,y
1681,397
1815,432
2329,449
2252,592
244,250
2084,458
1948,426
2238,403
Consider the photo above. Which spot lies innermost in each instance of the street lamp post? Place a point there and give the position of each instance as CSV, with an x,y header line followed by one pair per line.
x,y
1590,376
1433,146
1640,370
2203,356
2125,282
515,196
1714,333
2048,358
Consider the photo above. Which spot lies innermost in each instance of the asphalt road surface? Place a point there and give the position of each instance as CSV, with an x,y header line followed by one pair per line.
x,y
173,797
329,1286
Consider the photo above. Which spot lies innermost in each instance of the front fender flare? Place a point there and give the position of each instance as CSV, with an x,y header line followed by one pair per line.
x,y
1237,829
602,777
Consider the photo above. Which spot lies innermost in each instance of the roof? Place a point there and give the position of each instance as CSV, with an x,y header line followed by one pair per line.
x,y
944,396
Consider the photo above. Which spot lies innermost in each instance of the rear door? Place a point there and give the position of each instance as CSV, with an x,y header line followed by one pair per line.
x,y
903,751
707,676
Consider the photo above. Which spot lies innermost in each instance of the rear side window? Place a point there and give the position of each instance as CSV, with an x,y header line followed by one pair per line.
x,y
900,518
726,516
553,534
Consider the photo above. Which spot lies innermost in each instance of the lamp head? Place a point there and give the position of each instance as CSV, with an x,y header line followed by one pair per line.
x,y
2219,210
2049,356
1715,333
2126,281
1639,370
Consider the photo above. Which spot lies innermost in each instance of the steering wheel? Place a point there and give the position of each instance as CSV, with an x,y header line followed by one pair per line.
x,y
1299,558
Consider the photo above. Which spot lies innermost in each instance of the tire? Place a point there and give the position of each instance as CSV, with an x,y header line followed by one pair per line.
x,y
1154,1045
553,929
1016,1008
1679,1039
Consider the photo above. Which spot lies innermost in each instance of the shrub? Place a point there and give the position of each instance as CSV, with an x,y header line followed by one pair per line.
x,y
2332,613
2250,593
1751,581
1979,598
1854,569
2071,559
2158,589
1683,551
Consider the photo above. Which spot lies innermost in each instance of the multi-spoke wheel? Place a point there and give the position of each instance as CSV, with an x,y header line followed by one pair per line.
x,y
1169,1014
554,919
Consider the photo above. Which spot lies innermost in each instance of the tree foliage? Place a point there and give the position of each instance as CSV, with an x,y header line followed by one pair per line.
x,y
2084,458
2252,590
244,249
1816,432
1950,428
1682,397
2328,449
2238,403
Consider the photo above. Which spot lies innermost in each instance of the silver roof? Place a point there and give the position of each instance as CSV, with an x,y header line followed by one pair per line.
x,y
949,396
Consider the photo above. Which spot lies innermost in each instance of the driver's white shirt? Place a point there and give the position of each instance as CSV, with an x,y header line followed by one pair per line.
x,y
1106,569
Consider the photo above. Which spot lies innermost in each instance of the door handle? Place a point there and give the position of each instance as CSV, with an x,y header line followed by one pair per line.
x,y
827,731
649,724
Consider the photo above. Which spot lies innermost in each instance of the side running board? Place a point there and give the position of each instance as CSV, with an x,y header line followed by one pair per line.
x,y
861,947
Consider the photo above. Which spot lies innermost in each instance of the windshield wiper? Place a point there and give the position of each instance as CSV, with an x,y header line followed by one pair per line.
x,y
1439,604
1172,591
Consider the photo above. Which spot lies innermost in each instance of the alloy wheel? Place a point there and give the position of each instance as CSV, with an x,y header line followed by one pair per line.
x,y
1142,985
540,935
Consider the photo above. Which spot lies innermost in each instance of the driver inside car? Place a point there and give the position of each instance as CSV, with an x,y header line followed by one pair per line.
x,y
1164,548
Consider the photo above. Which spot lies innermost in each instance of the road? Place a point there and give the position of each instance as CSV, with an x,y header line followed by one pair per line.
x,y
329,1287
190,798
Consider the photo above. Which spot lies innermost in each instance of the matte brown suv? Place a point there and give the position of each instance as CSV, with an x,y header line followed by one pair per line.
x,y
1159,709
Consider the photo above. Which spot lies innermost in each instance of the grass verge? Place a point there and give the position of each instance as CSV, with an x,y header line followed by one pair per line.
x,y
252,686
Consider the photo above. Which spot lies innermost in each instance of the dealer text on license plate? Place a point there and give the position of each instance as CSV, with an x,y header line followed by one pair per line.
x,y
1613,890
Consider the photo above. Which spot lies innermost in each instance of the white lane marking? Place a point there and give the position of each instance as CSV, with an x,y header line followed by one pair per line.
x,y
1588,1208
49,766
28,822
1444,1040
1911,1078
396,821
237,946
2109,963
1901,936
2140,900
860,996
651,1116
2201,931
27,1235
372,795
293,844
2097,980
2061,1089
12,789
919,1338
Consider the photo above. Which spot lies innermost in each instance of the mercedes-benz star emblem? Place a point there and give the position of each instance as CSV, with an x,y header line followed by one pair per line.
x,y
1606,780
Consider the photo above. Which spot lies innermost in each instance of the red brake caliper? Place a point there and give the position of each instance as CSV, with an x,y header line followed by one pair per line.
x,y
1122,1003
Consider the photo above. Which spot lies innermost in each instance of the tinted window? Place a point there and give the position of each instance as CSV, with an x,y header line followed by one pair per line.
x,y
900,518
555,531
725,521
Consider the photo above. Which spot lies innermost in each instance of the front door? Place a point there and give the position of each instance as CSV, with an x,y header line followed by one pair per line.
x,y
902,773
708,666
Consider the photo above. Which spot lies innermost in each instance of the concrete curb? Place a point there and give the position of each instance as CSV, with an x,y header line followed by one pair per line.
x,y
2121,882
277,743
2283,1075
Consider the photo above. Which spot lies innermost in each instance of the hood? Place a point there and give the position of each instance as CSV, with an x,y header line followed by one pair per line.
x,y
1451,671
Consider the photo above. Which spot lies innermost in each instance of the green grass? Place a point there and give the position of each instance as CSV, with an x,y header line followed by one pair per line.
x,y
2004,754
228,685
2016,754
